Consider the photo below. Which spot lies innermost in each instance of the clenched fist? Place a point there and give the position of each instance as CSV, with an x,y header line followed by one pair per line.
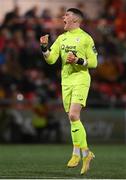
x,y
44,40
71,58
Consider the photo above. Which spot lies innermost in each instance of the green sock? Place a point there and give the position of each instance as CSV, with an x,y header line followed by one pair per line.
x,y
78,134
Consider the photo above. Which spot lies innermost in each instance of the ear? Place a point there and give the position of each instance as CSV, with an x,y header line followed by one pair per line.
x,y
75,19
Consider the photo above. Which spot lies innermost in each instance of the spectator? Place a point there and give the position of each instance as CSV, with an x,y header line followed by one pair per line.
x,y
32,13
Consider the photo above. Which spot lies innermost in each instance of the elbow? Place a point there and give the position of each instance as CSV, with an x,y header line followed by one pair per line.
x,y
93,64
50,61
96,63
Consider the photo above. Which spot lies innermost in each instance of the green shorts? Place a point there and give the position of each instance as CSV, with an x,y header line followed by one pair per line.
x,y
74,94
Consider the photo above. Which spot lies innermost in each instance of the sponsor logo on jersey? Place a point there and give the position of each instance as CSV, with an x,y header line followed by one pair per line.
x,y
69,48
77,39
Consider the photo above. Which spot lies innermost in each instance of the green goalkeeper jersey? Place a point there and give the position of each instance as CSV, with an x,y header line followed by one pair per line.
x,y
81,44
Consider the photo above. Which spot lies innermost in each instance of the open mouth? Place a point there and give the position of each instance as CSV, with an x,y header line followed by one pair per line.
x,y
64,22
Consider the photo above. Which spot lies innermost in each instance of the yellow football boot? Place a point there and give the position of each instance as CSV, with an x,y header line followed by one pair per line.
x,y
86,162
74,161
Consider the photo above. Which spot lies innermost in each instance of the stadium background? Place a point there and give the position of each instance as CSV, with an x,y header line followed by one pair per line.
x,y
30,93
34,129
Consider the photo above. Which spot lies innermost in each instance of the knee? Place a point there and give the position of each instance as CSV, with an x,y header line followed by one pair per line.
x,y
73,116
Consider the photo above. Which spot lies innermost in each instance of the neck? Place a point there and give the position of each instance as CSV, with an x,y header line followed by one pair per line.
x,y
74,26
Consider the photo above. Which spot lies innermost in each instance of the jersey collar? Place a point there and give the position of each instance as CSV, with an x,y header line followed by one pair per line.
x,y
75,30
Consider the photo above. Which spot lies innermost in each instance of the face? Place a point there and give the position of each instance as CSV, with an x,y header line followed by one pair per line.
x,y
69,19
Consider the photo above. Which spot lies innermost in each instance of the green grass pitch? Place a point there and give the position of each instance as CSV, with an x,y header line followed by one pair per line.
x,y
49,161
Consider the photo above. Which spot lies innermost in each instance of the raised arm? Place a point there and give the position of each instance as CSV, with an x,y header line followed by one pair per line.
x,y
51,55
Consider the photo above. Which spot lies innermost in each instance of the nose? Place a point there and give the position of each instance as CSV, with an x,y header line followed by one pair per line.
x,y
63,16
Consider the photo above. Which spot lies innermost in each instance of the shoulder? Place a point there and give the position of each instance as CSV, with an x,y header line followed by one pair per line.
x,y
61,36
86,36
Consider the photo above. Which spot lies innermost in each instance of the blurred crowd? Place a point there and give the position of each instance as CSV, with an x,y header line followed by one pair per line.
x,y
27,82
24,72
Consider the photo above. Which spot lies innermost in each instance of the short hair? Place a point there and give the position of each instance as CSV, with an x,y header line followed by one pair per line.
x,y
76,11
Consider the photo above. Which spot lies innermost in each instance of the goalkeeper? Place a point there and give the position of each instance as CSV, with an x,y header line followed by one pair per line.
x,y
77,51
